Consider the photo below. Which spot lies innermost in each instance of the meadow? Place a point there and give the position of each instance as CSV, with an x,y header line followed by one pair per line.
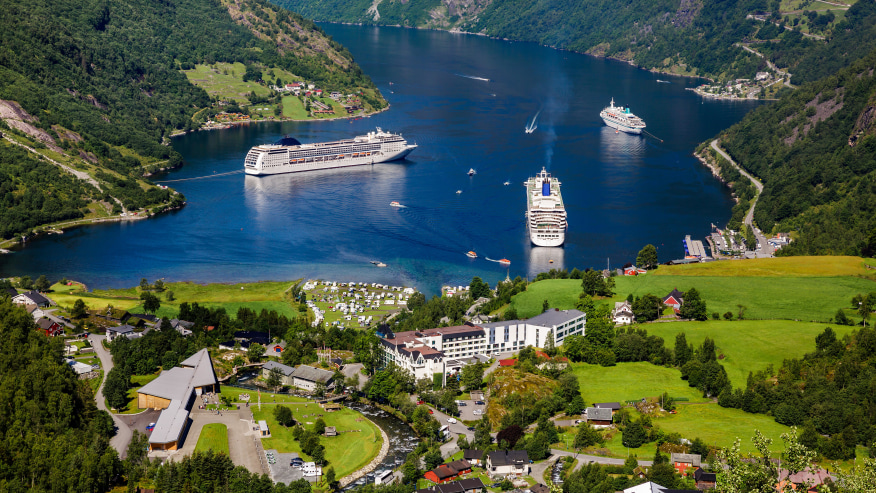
x,y
214,436
347,452
749,345
631,382
792,288
257,296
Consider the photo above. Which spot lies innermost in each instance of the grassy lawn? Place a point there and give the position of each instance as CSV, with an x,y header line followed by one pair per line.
x,y
798,288
94,383
225,81
631,381
346,452
749,345
293,108
302,404
214,436
258,295
721,426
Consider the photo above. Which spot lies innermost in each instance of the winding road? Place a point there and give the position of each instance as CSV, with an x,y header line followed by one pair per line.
x,y
123,433
765,249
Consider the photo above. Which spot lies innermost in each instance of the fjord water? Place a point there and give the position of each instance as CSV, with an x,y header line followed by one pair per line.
x,y
621,191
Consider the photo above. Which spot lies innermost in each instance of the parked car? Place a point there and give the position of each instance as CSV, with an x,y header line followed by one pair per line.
x,y
150,427
451,420
478,412
431,412
420,403
479,403
461,404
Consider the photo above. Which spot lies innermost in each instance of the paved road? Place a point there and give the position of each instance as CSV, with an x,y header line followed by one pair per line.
x,y
765,249
786,77
123,432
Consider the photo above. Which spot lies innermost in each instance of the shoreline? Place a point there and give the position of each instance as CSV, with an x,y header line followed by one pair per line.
x,y
226,126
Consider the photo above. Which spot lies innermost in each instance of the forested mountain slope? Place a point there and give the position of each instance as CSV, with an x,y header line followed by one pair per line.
x,y
815,151
693,37
96,84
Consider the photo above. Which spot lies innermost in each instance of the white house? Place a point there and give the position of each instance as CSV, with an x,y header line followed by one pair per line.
x,y
504,463
31,298
286,372
307,377
623,313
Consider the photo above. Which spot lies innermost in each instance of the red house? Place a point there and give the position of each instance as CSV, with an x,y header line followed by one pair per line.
x,y
50,327
448,472
507,362
674,299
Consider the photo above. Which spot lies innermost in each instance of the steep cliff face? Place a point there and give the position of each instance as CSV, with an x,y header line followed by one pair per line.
x,y
866,123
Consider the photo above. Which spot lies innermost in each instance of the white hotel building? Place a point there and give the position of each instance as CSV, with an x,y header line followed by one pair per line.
x,y
426,352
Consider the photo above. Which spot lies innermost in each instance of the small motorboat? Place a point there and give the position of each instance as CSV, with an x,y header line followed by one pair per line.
x,y
471,254
395,203
471,172
504,261
506,183
458,192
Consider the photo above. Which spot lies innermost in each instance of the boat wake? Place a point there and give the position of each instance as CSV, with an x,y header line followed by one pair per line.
x,y
473,77
533,124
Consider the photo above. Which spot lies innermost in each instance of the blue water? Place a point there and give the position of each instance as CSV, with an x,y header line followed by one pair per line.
x,y
621,191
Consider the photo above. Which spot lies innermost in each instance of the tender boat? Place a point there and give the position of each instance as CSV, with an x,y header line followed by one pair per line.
x,y
471,172
504,261
471,255
395,203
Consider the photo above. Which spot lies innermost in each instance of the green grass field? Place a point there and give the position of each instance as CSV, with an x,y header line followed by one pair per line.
x,y
347,452
137,381
292,108
226,81
793,288
631,381
749,345
214,436
258,295
718,425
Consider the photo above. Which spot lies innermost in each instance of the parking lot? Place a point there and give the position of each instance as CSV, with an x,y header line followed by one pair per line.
x,y
281,470
469,408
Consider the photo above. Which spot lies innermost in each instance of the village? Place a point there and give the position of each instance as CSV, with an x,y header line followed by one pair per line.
x,y
249,393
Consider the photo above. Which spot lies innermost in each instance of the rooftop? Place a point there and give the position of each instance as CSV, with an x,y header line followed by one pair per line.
x,y
552,318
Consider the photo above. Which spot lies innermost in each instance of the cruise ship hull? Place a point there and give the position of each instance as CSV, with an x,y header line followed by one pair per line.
x,y
621,127
550,239
545,212
376,147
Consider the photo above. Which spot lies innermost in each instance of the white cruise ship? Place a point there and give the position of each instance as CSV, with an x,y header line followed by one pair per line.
x,y
291,156
622,119
545,212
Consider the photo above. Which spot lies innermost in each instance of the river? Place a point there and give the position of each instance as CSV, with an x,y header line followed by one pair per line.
x,y
465,100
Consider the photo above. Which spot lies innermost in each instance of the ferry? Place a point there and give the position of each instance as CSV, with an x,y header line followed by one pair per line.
x,y
545,212
620,118
291,156
471,254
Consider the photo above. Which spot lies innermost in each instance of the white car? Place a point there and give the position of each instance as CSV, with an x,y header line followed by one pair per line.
x,y
477,412
451,420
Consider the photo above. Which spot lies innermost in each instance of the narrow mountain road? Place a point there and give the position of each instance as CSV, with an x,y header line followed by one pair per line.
x,y
765,249
123,432
786,77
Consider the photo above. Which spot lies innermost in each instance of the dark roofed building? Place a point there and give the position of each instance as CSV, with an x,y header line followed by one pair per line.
x,y
50,327
473,456
614,406
502,463
705,480
31,298
473,485
674,299
539,488
308,377
598,416
252,336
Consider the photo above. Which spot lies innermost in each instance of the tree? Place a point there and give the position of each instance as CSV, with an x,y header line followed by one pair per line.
x,y
587,436
319,426
144,284
159,285
576,406
634,435
511,435
255,352
647,308
275,378
550,348
757,472
647,258
545,306
330,478
79,309
284,416
479,289
592,282
472,376
115,389
433,459
693,307
585,303
25,282
151,303
864,304
482,436
319,391
318,454
169,296
42,284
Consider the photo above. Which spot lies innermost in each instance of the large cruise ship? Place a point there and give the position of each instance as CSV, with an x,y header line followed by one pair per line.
x,y
545,212
291,156
622,119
